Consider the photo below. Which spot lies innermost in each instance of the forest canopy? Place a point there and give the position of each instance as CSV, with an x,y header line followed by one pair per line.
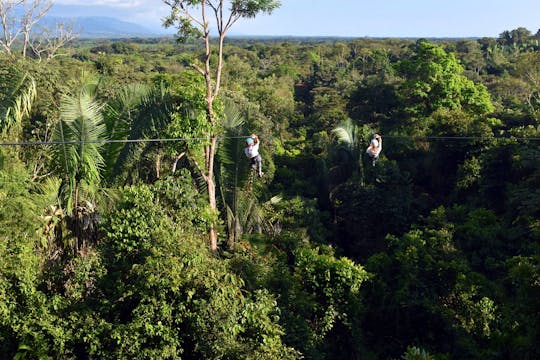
x,y
431,252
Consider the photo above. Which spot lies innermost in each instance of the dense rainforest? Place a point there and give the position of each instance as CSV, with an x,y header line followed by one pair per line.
x,y
431,253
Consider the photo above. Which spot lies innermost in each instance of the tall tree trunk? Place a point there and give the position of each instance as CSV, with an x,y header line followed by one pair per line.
x,y
210,151
25,42
181,15
211,185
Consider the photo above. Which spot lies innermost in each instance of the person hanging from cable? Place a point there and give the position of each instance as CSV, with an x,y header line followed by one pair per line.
x,y
252,153
374,149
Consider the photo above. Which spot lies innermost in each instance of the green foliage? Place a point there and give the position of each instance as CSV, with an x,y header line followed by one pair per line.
x,y
146,117
333,282
78,158
320,299
294,216
433,81
433,288
188,28
521,323
29,322
528,70
469,173
447,225
167,296
16,99
189,118
365,214
120,115
130,231
348,152
414,353
182,202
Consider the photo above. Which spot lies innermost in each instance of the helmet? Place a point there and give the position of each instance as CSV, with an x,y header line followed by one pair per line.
x,y
250,140
374,142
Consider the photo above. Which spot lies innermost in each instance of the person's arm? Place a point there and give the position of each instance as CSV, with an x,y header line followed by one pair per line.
x,y
255,138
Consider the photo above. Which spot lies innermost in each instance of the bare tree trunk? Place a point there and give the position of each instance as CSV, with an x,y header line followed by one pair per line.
x,y
37,9
211,149
181,14
26,41
212,192
15,25
10,31
158,166
49,40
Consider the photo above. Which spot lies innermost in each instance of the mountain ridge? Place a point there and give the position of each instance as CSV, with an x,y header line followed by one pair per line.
x,y
90,27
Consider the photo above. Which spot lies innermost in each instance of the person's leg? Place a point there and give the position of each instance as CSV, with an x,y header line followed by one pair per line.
x,y
253,163
259,165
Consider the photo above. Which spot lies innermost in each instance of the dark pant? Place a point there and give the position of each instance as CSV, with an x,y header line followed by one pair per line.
x,y
256,162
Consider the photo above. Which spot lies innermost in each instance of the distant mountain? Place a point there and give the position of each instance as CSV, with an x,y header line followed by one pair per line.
x,y
108,27
104,27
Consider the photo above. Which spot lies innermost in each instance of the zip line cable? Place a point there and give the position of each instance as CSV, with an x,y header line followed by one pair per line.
x,y
427,137
445,138
36,143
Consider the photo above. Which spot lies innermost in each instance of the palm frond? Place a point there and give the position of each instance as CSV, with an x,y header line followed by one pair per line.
x,y
275,199
50,189
82,131
119,114
18,105
345,133
233,117
146,120
87,83
349,150
231,168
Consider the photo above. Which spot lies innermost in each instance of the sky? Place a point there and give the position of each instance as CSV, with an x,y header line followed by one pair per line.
x,y
347,18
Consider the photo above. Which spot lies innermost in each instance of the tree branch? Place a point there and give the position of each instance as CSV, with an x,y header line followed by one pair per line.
x,y
201,171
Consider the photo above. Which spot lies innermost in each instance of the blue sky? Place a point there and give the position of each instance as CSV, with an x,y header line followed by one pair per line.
x,y
357,18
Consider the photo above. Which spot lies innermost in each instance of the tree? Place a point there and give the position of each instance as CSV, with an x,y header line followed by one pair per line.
x,y
10,31
323,300
423,281
434,80
350,140
527,69
230,173
169,299
29,326
471,55
18,19
46,44
514,37
79,158
33,13
183,15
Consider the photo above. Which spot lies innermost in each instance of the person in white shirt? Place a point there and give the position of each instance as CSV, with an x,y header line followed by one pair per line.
x,y
374,149
252,153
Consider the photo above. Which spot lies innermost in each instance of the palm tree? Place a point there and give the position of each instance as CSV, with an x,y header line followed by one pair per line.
x,y
244,211
349,150
142,113
119,116
230,174
79,162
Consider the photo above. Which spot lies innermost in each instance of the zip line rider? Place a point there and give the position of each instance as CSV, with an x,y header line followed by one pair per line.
x,y
374,149
252,153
